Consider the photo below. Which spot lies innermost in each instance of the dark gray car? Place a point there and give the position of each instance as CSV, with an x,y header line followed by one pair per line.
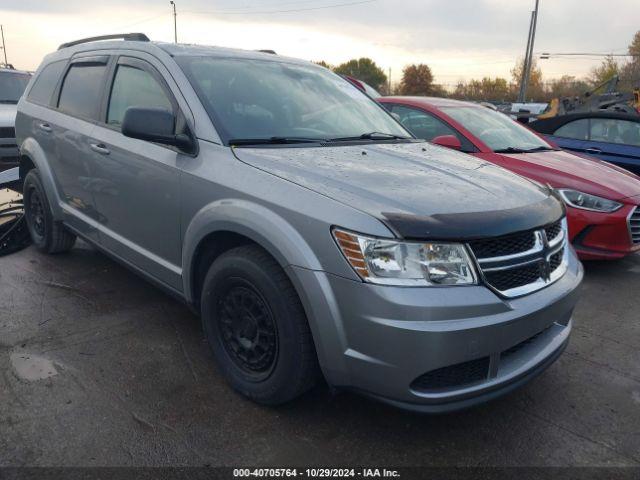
x,y
312,233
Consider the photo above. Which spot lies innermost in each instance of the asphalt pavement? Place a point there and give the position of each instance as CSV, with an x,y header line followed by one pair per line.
x,y
97,367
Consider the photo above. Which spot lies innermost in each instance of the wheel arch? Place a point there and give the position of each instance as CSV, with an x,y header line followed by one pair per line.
x,y
32,156
225,224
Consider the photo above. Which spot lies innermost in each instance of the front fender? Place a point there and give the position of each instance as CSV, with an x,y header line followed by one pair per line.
x,y
295,256
263,226
31,149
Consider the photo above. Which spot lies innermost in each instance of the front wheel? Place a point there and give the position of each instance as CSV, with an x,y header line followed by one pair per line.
x,y
48,236
257,328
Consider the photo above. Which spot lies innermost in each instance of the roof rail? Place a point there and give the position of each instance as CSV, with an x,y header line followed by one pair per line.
x,y
272,52
135,37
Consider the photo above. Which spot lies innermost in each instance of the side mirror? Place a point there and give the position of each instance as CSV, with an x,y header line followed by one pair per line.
x,y
154,125
449,141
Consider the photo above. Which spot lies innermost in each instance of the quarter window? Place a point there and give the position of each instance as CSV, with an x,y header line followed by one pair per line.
x,y
82,90
133,87
46,82
578,129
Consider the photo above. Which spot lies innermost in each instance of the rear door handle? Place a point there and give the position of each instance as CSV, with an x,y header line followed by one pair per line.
x,y
100,148
593,151
45,127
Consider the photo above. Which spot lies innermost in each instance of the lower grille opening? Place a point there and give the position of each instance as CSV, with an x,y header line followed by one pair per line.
x,y
521,345
453,376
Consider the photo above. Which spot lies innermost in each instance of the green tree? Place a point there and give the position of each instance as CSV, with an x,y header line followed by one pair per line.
x,y
324,64
488,89
603,72
363,69
417,80
566,86
630,71
535,86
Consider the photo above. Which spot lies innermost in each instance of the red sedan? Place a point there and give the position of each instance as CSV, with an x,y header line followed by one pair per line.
x,y
602,200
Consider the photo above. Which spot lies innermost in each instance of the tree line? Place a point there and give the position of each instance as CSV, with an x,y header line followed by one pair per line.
x,y
418,79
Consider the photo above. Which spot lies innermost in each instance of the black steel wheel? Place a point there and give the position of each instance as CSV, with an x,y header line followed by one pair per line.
x,y
248,330
35,213
257,327
47,235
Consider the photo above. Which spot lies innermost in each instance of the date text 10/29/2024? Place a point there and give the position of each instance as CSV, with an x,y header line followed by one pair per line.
x,y
316,472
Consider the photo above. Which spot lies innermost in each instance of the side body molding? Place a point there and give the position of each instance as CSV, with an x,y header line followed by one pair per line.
x,y
32,149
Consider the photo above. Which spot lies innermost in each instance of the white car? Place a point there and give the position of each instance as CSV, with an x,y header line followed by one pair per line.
x,y
12,85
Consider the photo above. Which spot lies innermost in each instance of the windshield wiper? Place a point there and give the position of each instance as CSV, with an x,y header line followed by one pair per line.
x,y
274,141
525,150
370,136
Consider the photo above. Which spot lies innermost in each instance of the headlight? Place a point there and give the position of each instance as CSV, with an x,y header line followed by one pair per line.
x,y
587,201
389,262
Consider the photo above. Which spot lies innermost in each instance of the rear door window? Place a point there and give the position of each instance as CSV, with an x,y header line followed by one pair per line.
x,y
578,129
82,90
46,82
612,130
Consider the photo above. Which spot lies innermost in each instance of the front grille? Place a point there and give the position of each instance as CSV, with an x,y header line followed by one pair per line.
x,y
7,132
553,230
453,376
514,277
507,245
634,226
521,263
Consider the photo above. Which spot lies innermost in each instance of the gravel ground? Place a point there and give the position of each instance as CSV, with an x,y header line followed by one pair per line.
x,y
100,368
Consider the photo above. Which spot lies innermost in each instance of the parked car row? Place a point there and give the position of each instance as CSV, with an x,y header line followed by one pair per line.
x,y
312,232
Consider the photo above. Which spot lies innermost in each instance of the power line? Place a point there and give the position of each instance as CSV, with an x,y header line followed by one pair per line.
x,y
268,12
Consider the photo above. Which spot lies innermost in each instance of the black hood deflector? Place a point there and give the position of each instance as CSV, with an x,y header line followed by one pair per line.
x,y
473,226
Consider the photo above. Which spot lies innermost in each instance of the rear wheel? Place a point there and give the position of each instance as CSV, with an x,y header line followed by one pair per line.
x,y
48,236
257,328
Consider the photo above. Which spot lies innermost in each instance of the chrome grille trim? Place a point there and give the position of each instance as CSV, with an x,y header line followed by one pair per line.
x,y
633,221
540,254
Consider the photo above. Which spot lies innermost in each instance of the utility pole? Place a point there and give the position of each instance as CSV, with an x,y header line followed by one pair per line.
x,y
175,23
528,59
390,92
4,47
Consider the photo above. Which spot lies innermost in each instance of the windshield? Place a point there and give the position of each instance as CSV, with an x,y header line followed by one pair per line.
x,y
262,99
12,86
495,129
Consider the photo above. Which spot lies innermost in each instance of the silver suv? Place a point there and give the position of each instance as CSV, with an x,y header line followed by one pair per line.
x,y
314,236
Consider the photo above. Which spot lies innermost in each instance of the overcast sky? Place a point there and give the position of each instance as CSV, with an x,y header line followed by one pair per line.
x,y
459,39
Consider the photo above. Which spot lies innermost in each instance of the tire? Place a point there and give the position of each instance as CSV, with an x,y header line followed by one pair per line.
x,y
257,328
47,235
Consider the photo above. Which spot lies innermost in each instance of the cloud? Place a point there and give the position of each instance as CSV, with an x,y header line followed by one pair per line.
x,y
458,38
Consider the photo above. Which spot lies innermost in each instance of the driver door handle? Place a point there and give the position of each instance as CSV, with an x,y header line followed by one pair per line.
x,y
100,148
45,127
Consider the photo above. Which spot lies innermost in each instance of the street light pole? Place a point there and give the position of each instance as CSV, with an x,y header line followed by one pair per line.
x,y
4,47
528,59
175,23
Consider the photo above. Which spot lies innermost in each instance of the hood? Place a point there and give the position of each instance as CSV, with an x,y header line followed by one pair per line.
x,y
419,190
8,114
586,174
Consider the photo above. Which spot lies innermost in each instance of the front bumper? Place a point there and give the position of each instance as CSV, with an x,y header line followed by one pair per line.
x,y
601,236
380,340
9,154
